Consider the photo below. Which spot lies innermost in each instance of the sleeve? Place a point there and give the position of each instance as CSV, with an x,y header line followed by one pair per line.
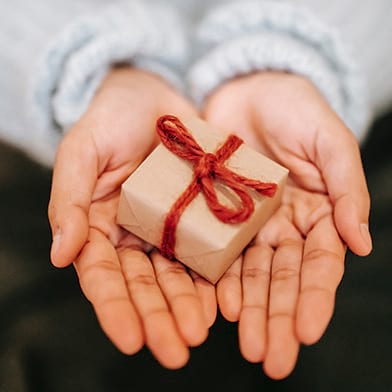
x,y
55,53
332,43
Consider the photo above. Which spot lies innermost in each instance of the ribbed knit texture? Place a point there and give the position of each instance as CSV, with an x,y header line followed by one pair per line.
x,y
54,54
365,29
242,37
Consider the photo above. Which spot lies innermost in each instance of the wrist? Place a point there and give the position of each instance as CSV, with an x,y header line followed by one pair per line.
x,y
126,78
258,85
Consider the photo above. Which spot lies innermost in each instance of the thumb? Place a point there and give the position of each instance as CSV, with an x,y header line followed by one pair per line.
x,y
73,182
340,161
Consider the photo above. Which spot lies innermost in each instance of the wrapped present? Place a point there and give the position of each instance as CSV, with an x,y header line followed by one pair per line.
x,y
201,195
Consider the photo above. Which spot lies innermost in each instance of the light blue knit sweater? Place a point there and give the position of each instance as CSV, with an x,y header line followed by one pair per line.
x,y
54,54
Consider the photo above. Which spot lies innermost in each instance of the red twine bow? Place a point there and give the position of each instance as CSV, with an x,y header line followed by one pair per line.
x,y
208,167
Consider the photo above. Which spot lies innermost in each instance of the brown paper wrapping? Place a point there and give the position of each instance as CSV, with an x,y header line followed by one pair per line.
x,y
203,242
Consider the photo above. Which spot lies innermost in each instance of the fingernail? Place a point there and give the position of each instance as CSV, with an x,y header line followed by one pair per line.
x,y
364,229
55,245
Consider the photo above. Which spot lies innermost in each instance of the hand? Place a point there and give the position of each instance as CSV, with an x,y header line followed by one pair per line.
x,y
139,298
282,289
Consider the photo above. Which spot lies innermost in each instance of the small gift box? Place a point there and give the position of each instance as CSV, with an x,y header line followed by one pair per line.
x,y
201,195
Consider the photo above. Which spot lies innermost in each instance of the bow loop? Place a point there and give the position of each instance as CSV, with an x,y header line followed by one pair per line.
x,y
177,139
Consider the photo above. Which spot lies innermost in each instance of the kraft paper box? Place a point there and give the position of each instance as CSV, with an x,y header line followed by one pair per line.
x,y
203,242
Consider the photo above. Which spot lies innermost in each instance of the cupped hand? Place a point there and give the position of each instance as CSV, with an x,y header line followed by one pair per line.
x,y
284,116
282,289
138,296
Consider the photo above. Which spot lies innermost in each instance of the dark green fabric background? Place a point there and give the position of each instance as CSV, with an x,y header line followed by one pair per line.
x,y
50,340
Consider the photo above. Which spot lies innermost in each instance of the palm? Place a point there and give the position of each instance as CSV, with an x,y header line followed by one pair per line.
x,y
285,118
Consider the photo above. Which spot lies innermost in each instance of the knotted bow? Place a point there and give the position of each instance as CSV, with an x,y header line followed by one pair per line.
x,y
208,167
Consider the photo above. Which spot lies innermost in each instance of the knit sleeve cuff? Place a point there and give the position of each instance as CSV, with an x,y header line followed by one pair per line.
x,y
78,59
243,37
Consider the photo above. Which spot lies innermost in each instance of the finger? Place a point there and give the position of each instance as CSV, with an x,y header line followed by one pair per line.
x,y
252,327
181,295
206,292
229,292
283,345
342,169
322,271
103,284
161,333
74,176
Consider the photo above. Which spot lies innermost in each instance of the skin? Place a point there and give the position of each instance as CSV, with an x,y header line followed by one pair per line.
x,y
132,290
282,289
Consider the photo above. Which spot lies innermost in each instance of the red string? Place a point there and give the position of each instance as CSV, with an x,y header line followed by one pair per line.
x,y
208,167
